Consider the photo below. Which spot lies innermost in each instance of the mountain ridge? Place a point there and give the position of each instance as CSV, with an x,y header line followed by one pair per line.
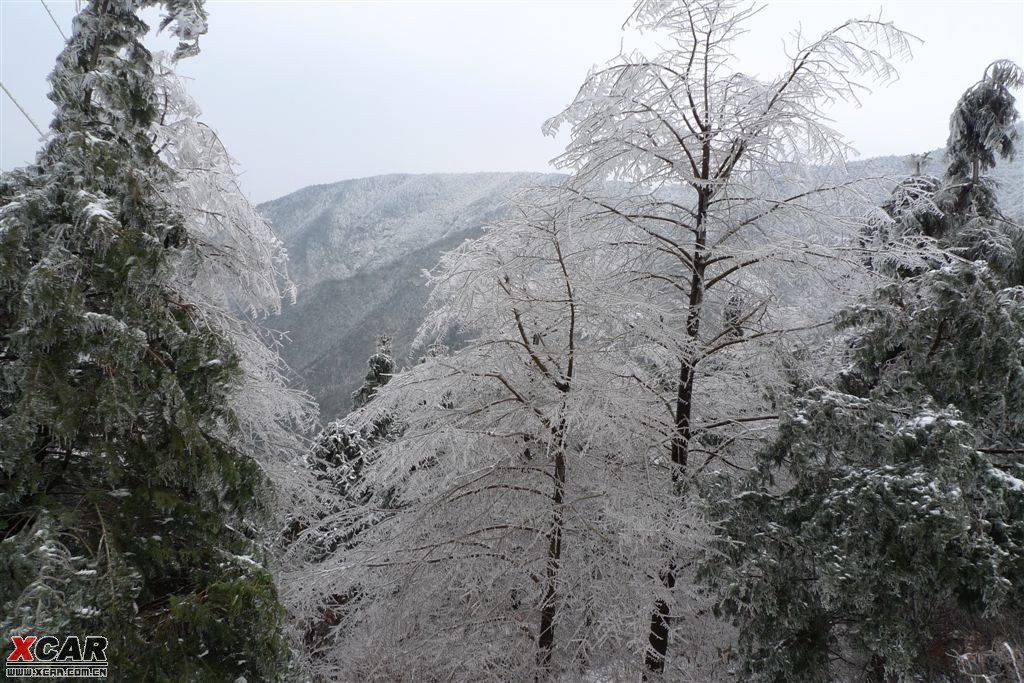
x,y
358,247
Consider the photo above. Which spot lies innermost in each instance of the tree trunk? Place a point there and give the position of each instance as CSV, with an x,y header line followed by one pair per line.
x,y
658,637
688,365
549,608
684,393
680,446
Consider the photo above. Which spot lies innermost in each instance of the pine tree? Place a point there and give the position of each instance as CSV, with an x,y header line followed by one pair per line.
x,y
379,371
127,505
340,453
982,125
885,526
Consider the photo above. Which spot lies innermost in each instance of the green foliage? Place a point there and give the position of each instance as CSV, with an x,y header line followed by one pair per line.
x,y
982,125
380,369
890,538
884,527
124,504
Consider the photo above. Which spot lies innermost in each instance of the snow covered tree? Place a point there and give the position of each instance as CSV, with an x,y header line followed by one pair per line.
x,y
982,126
720,209
895,239
381,368
133,399
514,511
340,452
235,270
884,529
336,461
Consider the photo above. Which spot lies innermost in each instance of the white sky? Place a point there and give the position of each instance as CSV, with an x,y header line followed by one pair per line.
x,y
306,92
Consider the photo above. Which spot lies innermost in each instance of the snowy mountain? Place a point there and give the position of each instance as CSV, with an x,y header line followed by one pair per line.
x,y
357,250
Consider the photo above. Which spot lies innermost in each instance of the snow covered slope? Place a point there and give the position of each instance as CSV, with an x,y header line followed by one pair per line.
x,y
335,231
357,250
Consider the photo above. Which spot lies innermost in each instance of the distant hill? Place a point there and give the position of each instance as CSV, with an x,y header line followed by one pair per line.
x,y
357,250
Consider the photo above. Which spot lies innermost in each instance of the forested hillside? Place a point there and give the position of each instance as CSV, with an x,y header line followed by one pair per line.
x,y
357,251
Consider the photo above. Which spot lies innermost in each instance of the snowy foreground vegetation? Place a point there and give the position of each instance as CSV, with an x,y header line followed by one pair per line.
x,y
711,406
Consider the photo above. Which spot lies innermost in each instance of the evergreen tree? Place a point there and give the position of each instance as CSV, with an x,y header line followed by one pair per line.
x,y
884,528
982,125
379,371
339,455
339,451
909,211
126,503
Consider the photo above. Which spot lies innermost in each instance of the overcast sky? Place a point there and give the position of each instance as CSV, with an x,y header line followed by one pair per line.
x,y
306,92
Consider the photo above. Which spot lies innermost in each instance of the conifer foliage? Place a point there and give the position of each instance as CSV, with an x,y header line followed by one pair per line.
x,y
882,535
379,371
982,125
340,451
126,500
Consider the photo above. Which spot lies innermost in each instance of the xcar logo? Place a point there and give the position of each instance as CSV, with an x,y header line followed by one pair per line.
x,y
49,657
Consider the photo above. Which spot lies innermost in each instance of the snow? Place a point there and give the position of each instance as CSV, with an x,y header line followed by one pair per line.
x,y
1008,480
101,322
246,559
335,231
94,209
923,421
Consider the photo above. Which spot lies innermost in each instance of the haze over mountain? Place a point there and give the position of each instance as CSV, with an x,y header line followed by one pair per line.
x,y
358,249
357,252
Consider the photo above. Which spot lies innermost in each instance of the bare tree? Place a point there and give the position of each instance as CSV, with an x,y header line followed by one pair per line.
x,y
515,509
717,199
625,333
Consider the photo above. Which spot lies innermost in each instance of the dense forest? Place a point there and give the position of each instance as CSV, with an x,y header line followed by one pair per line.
x,y
710,404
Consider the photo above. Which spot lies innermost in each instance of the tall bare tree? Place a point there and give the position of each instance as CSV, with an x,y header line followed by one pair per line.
x,y
717,199
515,509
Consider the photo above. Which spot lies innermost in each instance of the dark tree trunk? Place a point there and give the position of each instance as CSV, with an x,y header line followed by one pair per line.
x,y
680,446
688,366
549,608
658,637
